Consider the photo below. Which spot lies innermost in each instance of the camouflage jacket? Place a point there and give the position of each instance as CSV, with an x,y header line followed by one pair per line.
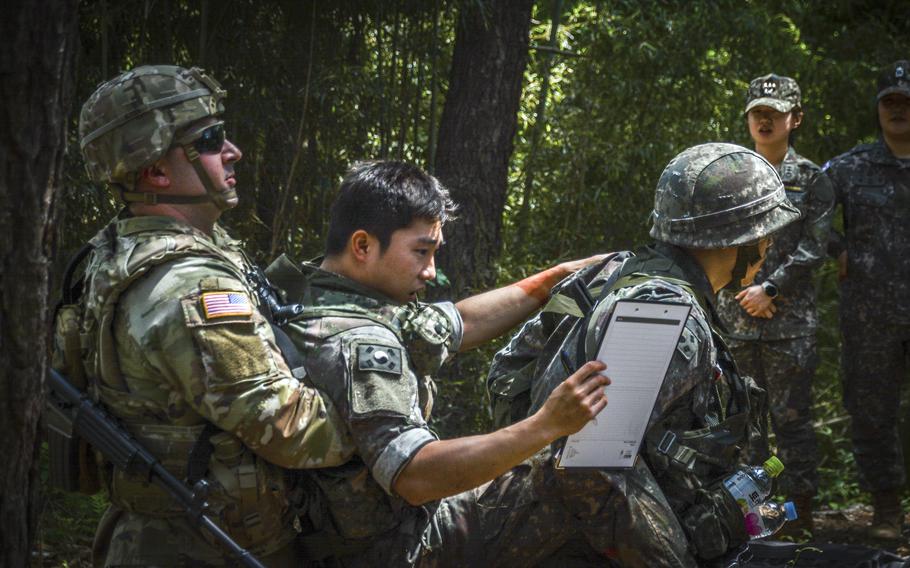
x,y
798,249
173,341
873,186
691,402
375,359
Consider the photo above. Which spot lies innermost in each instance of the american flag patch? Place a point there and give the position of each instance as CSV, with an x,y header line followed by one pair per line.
x,y
223,304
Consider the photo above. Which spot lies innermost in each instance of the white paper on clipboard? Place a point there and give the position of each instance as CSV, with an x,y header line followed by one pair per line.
x,y
637,348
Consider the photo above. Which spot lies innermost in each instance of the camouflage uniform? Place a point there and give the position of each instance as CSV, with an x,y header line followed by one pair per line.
x,y
780,353
686,401
706,413
873,186
166,360
375,360
174,346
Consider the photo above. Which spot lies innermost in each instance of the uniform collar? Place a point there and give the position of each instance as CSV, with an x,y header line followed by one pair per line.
x,y
128,224
694,274
882,154
790,156
310,285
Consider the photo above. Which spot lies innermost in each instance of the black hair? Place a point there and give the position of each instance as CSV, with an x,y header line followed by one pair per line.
x,y
381,197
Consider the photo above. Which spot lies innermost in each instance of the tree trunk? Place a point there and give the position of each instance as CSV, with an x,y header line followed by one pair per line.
x,y
546,64
475,134
37,63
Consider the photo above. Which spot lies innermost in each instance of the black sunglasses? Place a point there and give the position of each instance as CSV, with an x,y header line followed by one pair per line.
x,y
210,140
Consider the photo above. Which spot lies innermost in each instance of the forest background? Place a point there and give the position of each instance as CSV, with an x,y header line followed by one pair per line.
x,y
550,121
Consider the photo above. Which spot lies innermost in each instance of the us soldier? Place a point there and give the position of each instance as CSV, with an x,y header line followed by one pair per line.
x,y
173,343
715,209
872,183
771,323
408,498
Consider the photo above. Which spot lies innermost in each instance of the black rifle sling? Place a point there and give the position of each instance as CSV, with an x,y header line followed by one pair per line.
x,y
197,464
290,352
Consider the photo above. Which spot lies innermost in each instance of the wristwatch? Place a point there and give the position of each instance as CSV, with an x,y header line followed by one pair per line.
x,y
770,289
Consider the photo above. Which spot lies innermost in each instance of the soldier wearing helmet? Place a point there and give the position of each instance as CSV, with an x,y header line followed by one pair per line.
x,y
715,210
772,322
872,183
173,342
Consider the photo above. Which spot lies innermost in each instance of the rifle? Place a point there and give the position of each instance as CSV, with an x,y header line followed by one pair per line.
x,y
276,313
72,412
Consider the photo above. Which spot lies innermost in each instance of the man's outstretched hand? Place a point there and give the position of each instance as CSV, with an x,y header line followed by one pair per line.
x,y
576,401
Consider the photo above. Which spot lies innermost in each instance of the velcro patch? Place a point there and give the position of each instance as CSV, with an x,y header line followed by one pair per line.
x,y
794,188
381,358
225,304
688,344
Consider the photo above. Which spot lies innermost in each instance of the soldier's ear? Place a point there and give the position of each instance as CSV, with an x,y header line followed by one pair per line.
x,y
156,175
797,118
361,245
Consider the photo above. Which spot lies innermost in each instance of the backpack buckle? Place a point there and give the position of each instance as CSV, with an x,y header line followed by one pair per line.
x,y
666,442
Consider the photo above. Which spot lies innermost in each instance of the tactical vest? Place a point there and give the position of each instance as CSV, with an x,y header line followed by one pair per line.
x,y
357,518
249,496
421,329
688,464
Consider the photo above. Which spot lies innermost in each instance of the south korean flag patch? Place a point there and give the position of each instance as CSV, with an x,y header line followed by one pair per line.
x,y
382,358
687,345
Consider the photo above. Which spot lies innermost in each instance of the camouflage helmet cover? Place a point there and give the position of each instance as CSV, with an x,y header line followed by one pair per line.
x,y
132,120
719,195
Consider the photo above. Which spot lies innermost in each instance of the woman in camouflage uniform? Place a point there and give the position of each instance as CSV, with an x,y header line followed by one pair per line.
x,y
772,322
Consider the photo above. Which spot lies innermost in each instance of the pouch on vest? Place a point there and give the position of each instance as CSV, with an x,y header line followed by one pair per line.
x,y
248,496
714,524
71,461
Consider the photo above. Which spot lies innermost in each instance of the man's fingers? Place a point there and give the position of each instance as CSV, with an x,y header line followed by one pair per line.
x,y
592,384
585,371
598,404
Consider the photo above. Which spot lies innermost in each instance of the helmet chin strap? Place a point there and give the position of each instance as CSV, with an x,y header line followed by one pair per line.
x,y
746,256
221,199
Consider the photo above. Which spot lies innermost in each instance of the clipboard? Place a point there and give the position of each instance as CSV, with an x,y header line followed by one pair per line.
x,y
637,347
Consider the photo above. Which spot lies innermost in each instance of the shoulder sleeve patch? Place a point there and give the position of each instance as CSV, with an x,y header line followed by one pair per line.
x,y
688,344
382,358
225,304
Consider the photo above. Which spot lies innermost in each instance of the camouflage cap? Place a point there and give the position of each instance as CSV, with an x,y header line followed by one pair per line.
x,y
132,120
719,195
895,79
780,93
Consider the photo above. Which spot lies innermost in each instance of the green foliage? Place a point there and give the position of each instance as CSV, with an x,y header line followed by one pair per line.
x,y
67,523
652,78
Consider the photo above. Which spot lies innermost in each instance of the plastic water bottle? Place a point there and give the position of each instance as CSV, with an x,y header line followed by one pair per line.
x,y
768,518
751,486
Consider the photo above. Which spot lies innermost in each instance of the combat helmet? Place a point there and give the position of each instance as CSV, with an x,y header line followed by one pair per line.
x,y
132,120
719,195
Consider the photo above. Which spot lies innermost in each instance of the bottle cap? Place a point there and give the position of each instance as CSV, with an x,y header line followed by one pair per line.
x,y
773,466
790,511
